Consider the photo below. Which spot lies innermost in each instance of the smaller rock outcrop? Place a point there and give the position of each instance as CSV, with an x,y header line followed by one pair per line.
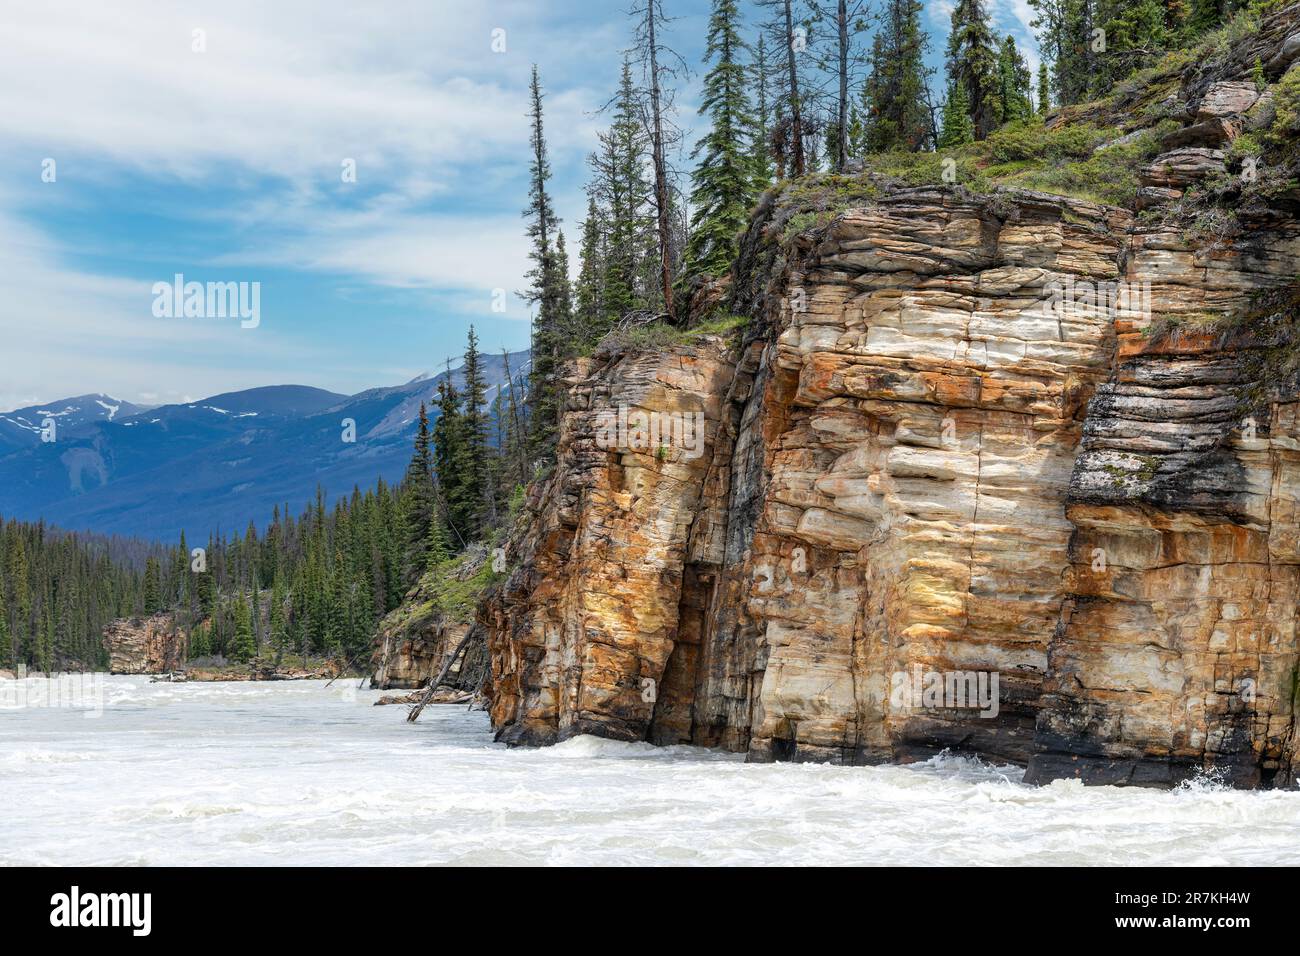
x,y
412,643
152,645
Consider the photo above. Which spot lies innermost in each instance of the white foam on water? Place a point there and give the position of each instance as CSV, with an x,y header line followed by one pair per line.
x,y
297,772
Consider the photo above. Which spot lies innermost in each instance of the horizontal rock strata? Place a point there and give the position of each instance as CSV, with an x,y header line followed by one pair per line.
x,y
957,489
152,645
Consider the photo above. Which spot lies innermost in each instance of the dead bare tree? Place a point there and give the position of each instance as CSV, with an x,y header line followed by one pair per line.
x,y
848,19
516,426
659,62
789,42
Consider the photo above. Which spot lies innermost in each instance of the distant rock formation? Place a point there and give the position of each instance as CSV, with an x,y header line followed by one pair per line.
x,y
152,645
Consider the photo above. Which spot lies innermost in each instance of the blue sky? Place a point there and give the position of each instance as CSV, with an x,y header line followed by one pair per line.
x,y
225,165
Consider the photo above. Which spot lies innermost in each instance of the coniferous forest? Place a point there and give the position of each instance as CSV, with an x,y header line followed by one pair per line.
x,y
789,88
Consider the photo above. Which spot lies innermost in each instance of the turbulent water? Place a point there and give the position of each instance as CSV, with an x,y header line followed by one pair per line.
x,y
300,773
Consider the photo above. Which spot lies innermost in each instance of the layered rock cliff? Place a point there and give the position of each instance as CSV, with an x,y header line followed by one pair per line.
x,y
976,476
152,645
414,641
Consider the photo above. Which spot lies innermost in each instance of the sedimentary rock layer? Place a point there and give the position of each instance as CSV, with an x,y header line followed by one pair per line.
x,y
956,490
152,645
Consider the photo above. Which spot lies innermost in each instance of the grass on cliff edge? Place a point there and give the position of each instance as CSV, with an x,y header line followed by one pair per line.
x,y
450,590
654,336
1094,151
1080,162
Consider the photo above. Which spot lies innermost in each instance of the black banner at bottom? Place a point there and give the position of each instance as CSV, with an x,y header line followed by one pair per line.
x,y
397,905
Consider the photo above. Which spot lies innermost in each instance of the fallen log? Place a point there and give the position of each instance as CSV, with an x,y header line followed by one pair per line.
x,y
442,676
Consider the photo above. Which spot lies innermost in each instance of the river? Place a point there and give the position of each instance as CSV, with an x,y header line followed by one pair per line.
x,y
302,773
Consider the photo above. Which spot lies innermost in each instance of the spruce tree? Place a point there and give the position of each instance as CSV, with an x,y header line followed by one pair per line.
x,y
418,498
22,636
589,292
449,464
724,176
1206,15
243,648
972,57
1014,86
543,417
152,587
470,502
620,186
894,93
958,128
6,646
1136,33
1044,90
760,132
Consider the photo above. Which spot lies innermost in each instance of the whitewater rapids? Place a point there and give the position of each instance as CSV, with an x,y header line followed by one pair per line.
x,y
298,773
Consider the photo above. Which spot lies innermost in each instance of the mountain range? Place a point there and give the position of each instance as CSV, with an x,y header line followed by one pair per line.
x,y
22,427
211,465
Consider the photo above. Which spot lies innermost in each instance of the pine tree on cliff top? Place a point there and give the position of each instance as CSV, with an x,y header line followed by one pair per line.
x,y
449,462
1014,84
724,177
152,587
894,94
468,500
543,417
563,297
958,129
621,188
972,63
1136,33
1065,35
589,291
417,492
760,130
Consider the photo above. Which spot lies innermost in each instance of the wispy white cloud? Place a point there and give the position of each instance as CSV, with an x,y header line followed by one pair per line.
x,y
256,125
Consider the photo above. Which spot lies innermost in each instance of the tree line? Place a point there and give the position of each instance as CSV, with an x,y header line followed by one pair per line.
x,y
311,585
796,91
58,590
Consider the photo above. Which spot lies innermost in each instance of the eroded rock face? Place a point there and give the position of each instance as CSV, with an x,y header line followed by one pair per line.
x,y
581,635
955,493
1176,648
413,642
152,645
409,659
952,404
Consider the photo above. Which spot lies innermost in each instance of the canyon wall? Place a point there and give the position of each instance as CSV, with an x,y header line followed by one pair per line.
x,y
954,489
